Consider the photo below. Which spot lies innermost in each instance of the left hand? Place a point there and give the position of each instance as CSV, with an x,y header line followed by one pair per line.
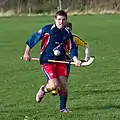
x,y
77,63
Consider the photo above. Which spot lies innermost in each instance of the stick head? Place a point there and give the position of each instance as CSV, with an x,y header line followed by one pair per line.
x,y
89,62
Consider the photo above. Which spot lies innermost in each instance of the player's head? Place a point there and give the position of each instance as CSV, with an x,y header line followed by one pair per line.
x,y
60,19
69,25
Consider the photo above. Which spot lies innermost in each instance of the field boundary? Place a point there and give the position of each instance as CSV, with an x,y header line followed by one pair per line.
x,y
12,13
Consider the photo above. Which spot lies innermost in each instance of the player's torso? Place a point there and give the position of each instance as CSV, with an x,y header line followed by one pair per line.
x,y
53,38
57,37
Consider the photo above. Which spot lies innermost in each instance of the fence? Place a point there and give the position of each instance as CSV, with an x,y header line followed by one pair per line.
x,y
40,6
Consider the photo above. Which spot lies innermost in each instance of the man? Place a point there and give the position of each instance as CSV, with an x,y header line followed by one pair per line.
x,y
54,36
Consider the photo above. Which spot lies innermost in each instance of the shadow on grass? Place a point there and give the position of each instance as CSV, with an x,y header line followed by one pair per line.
x,y
98,107
99,91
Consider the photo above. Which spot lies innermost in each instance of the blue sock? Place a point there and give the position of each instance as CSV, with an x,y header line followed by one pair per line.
x,y
63,99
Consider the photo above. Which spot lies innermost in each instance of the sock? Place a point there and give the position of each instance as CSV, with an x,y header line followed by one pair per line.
x,y
63,99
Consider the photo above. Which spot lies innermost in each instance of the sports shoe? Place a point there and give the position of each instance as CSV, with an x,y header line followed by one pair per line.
x,y
54,92
40,94
65,110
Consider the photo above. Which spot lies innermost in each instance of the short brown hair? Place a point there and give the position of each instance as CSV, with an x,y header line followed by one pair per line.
x,y
61,12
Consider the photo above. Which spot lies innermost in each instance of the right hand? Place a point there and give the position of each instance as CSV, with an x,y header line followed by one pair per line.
x,y
26,57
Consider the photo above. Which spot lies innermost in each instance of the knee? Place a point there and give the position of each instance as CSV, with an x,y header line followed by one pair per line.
x,y
52,84
63,87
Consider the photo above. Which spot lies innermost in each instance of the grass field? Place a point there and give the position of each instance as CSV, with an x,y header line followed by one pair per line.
x,y
94,92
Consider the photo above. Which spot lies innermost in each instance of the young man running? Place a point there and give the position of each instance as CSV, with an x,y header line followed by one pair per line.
x,y
53,36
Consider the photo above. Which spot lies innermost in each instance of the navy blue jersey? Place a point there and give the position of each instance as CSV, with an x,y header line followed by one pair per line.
x,y
51,37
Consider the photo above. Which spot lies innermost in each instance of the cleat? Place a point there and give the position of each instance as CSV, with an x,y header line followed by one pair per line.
x,y
65,110
40,94
54,92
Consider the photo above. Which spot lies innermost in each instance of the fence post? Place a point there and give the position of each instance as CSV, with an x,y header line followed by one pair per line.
x,y
2,10
30,10
60,4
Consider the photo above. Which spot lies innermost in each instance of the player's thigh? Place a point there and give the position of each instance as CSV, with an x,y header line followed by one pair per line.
x,y
61,69
52,84
62,76
51,75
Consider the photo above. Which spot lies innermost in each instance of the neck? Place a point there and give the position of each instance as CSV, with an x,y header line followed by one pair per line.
x,y
58,27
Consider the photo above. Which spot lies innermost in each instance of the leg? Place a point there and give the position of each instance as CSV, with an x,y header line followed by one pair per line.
x,y
63,87
52,81
51,85
55,92
63,92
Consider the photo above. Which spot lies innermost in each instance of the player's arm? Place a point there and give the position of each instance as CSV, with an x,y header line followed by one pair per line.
x,y
31,42
87,53
87,50
72,50
80,42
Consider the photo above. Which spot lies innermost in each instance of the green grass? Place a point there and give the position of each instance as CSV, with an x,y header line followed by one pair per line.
x,y
94,92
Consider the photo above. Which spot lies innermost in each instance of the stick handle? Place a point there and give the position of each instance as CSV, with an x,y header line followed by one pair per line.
x,y
83,63
35,59
72,63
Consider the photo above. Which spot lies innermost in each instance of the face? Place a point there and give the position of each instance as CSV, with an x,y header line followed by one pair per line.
x,y
60,21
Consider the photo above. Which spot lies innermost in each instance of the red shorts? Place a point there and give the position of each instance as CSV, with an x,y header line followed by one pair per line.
x,y
54,70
